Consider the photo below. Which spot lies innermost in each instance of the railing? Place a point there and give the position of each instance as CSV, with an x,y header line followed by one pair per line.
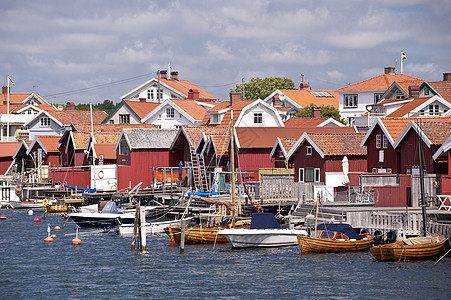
x,y
379,180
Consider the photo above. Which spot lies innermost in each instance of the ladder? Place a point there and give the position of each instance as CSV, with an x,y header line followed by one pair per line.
x,y
199,172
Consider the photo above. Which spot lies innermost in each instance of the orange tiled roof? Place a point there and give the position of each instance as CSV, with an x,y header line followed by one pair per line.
x,y
288,143
183,86
50,143
395,126
15,103
305,97
7,149
107,137
237,107
142,109
194,133
106,149
81,140
379,83
443,88
437,129
339,143
304,122
109,127
78,116
196,111
408,107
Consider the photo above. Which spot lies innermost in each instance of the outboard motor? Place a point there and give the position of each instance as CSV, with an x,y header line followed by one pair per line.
x,y
378,237
391,236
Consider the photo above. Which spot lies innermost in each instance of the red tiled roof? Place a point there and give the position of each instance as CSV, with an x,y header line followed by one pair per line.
x,y
237,107
81,140
107,137
443,88
7,149
183,86
339,143
142,109
379,83
109,127
288,143
106,149
78,116
50,143
408,107
305,97
437,130
15,103
196,111
304,122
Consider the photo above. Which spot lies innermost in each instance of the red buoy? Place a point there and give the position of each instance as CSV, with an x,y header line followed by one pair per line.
x,y
37,219
76,241
3,217
48,240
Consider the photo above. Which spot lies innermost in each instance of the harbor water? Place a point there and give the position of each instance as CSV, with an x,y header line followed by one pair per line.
x,y
105,267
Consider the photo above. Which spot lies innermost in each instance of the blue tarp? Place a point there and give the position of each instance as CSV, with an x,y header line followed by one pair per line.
x,y
203,194
80,188
111,208
264,221
343,228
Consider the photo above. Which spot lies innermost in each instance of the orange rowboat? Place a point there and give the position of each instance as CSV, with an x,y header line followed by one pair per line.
x,y
159,174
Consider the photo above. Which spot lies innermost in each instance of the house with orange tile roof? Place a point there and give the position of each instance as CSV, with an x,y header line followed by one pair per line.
x,y
100,147
300,98
175,113
318,159
354,99
164,87
7,151
44,150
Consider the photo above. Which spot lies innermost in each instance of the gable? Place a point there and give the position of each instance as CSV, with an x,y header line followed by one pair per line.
x,y
259,113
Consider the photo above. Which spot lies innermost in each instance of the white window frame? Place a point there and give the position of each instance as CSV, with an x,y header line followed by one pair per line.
x,y
317,175
124,119
350,100
258,118
123,147
384,142
214,118
301,174
374,170
378,141
170,113
309,150
44,122
377,97
381,156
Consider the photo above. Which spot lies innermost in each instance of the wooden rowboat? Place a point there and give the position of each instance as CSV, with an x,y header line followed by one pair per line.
x,y
335,238
411,248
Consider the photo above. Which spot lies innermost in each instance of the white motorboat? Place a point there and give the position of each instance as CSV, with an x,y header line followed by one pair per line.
x,y
155,227
265,231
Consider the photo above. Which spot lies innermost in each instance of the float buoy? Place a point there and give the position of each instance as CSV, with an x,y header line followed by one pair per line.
x,y
37,219
53,235
45,202
48,240
57,228
3,217
76,241
30,212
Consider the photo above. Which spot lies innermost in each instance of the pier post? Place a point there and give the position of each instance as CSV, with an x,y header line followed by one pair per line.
x,y
142,225
182,236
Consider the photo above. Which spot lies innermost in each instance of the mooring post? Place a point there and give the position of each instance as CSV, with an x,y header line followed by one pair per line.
x,y
142,225
135,227
182,237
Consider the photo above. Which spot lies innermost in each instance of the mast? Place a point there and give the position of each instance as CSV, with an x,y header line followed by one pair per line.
x,y
232,166
92,148
7,111
423,202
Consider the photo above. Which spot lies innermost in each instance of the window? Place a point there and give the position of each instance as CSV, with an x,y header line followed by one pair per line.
x,y
178,126
426,92
389,170
433,110
123,148
350,101
381,155
111,121
124,119
157,126
377,97
148,94
317,175
309,175
151,94
258,118
384,142
422,112
378,141
301,175
374,170
214,118
350,120
29,111
170,113
309,150
45,122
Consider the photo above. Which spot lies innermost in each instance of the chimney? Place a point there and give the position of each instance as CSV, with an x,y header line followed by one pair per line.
x,y
234,97
193,94
142,99
316,112
389,70
164,74
5,90
303,86
174,75
446,76
414,91
70,106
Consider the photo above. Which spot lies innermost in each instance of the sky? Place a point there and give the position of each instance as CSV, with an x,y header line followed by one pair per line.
x,y
90,51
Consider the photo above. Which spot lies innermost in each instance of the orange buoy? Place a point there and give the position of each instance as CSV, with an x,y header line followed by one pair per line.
x,y
3,217
53,235
37,219
57,228
48,240
76,241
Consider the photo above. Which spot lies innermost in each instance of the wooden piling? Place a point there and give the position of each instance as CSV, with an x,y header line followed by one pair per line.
x,y
142,225
182,237
135,227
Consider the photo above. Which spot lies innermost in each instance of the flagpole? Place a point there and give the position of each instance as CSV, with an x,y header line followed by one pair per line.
x,y
7,111
401,60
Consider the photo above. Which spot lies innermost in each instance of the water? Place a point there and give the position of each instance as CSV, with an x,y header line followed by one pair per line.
x,y
104,267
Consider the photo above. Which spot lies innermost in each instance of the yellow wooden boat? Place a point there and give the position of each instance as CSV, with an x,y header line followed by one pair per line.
x,y
411,248
335,238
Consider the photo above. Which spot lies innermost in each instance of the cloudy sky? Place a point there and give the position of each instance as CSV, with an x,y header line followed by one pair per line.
x,y
89,51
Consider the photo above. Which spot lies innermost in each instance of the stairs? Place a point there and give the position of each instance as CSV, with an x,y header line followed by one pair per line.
x,y
199,173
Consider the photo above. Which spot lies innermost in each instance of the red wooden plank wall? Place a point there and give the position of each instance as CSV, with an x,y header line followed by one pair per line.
x,y
446,185
69,176
394,196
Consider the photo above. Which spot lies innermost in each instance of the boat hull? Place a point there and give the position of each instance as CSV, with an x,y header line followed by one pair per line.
x,y
400,251
318,245
195,235
156,228
100,220
242,238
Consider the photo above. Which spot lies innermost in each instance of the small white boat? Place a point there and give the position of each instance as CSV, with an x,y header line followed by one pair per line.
x,y
265,231
156,227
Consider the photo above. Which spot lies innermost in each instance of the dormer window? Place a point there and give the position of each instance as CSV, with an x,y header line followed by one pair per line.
x,y
170,113
258,118
214,118
45,122
426,92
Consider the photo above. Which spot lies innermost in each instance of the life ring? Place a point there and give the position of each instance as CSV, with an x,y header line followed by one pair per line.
x,y
100,174
45,202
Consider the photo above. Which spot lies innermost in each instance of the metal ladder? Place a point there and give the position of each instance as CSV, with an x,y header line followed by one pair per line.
x,y
199,172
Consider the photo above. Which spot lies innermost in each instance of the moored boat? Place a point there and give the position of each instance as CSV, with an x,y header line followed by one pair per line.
x,y
335,238
410,248
264,231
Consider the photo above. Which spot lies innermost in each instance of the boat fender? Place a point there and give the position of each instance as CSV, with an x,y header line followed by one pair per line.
x,y
101,174
391,236
377,237
45,202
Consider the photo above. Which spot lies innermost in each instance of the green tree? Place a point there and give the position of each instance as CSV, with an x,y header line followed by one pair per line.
x,y
107,106
259,88
326,112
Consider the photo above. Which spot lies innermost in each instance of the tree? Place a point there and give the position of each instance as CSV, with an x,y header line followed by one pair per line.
x,y
259,88
326,112
107,106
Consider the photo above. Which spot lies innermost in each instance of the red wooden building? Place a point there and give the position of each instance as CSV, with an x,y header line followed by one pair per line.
x,y
138,150
7,151
44,150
